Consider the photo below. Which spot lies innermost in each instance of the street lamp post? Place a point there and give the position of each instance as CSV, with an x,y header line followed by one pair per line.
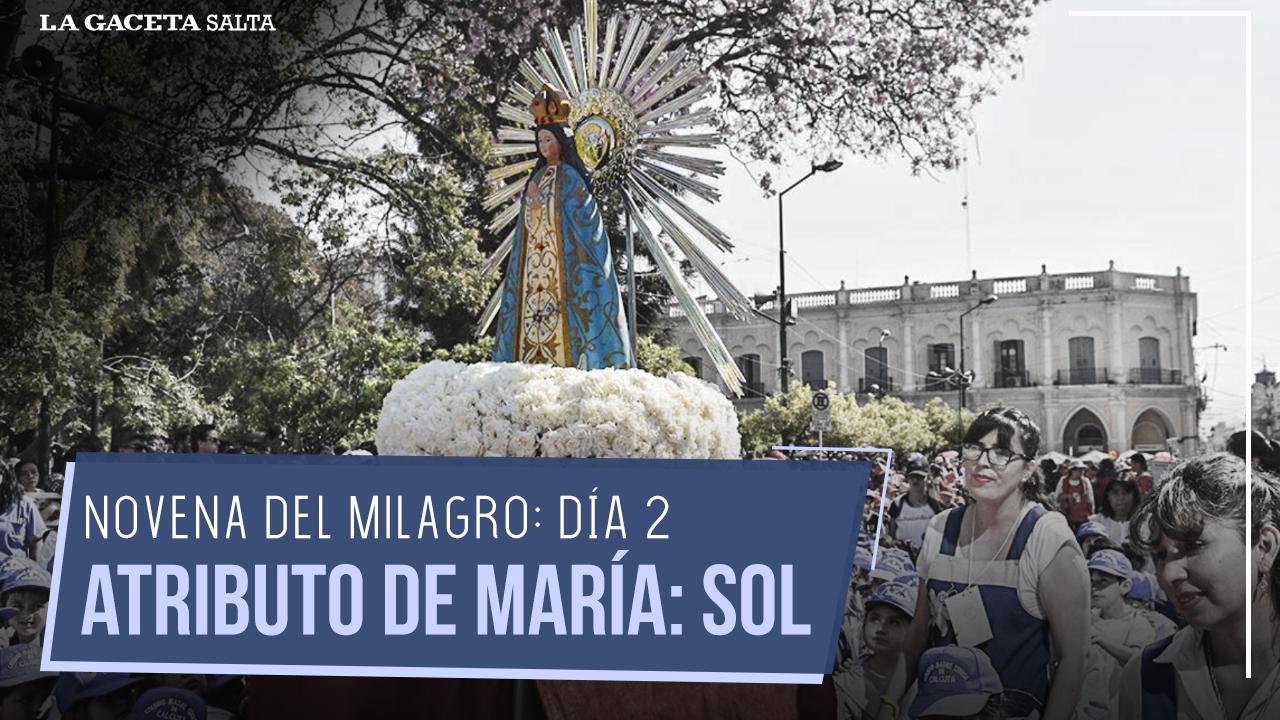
x,y
784,361
960,377
984,301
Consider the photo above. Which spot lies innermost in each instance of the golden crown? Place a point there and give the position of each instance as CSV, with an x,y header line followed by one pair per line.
x,y
549,107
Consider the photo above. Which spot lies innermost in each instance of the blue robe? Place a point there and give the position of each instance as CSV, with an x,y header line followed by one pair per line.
x,y
560,303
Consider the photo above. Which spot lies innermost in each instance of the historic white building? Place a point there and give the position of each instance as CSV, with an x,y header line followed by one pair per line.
x,y
1100,360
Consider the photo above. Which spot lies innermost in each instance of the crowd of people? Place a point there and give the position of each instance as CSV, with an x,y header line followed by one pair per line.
x,y
1004,585
28,541
1000,584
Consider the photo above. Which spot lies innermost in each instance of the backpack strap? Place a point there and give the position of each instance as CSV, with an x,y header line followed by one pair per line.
x,y
1159,684
951,533
1025,528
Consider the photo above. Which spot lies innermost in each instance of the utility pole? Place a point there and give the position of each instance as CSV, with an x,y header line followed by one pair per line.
x,y
964,387
784,312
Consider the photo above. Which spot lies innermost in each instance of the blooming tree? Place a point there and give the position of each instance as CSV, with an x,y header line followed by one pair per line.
x,y
871,77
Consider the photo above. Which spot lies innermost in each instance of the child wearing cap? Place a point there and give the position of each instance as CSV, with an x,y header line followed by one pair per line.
x,y
24,595
861,687
957,682
1194,527
24,687
891,564
1117,631
1092,536
1117,628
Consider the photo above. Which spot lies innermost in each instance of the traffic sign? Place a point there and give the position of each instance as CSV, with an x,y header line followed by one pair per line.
x,y
820,420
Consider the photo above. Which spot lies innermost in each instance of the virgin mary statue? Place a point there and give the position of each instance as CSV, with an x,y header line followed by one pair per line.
x,y
560,301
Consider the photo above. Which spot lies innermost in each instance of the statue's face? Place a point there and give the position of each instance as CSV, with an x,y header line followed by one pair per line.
x,y
548,146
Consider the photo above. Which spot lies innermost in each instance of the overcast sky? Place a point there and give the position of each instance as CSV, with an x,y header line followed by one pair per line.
x,y
1122,139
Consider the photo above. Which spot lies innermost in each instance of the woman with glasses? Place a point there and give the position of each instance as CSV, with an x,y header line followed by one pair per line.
x,y
1004,575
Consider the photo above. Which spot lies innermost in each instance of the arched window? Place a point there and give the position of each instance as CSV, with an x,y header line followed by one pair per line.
x,y
1150,432
1083,432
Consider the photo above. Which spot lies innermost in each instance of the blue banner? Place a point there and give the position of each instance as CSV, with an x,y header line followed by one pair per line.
x,y
543,568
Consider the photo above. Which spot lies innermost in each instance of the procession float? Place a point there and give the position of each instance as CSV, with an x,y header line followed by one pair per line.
x,y
600,124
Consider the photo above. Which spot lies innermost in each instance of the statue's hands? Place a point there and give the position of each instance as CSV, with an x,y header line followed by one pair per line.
x,y
535,194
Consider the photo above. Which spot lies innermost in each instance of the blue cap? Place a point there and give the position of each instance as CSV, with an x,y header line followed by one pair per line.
x,y
911,579
169,703
1143,588
20,664
1111,562
862,560
895,594
19,572
73,687
893,564
1088,528
954,681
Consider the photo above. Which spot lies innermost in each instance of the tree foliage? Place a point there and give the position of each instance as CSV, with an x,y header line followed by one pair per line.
x,y
364,131
658,359
885,423
870,77
151,295
371,122
321,390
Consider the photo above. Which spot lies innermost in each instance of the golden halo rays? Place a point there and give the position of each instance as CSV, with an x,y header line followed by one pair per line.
x,y
632,118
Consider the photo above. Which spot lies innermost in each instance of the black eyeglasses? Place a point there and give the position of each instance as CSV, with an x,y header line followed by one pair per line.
x,y
996,456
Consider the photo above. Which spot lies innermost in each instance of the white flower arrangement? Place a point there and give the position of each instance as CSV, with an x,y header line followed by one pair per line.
x,y
519,410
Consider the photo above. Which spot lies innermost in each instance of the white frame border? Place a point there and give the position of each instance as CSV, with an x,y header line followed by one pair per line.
x,y
1247,16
